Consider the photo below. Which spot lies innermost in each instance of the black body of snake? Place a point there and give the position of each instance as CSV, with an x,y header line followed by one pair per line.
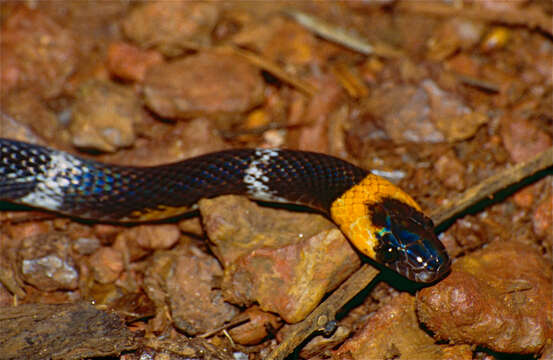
x,y
381,221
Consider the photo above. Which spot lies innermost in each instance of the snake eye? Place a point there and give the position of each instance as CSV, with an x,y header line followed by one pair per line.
x,y
388,252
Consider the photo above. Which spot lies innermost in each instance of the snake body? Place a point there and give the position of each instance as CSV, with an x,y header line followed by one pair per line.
x,y
381,220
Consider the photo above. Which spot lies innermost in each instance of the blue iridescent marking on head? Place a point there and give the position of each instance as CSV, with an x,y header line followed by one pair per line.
x,y
407,242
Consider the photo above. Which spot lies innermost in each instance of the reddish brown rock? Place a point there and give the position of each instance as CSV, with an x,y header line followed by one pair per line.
x,y
465,234
237,226
192,226
291,280
103,116
493,300
106,231
547,352
183,280
542,218
45,261
450,171
155,237
27,108
525,197
315,134
452,35
139,241
130,62
169,145
36,53
86,245
285,261
523,139
258,326
216,84
452,117
107,265
394,332
405,111
29,229
279,39
13,129
172,26
463,64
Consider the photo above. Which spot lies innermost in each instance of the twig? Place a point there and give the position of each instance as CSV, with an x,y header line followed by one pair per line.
x,y
478,83
490,186
338,35
275,70
326,311
531,17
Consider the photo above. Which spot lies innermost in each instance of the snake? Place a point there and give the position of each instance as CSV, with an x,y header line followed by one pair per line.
x,y
381,221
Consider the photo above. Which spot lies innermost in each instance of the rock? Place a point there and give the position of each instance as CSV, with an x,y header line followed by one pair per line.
x,y
172,27
405,113
205,84
130,62
493,300
163,236
107,265
28,110
523,139
285,261
291,280
260,324
450,171
138,241
103,116
542,218
393,332
237,226
37,53
183,279
45,261
452,117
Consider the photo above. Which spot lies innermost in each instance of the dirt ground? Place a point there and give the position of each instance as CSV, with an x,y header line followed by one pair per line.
x,y
436,96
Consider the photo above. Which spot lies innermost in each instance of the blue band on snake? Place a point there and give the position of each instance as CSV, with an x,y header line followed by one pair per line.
x,y
379,219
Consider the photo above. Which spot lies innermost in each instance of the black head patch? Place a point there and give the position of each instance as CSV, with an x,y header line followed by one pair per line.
x,y
406,241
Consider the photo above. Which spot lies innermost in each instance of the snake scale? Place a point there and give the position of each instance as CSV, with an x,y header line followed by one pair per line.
x,y
380,220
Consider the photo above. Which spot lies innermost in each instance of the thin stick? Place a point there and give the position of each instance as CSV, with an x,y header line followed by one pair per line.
x,y
340,36
326,311
491,185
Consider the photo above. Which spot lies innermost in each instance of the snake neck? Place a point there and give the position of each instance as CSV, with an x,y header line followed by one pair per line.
x,y
353,210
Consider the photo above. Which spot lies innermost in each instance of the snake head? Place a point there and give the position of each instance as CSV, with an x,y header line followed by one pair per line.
x,y
407,243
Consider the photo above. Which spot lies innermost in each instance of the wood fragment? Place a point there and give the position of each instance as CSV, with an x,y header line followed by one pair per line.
x,y
62,331
275,70
340,36
327,310
354,86
478,83
531,16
